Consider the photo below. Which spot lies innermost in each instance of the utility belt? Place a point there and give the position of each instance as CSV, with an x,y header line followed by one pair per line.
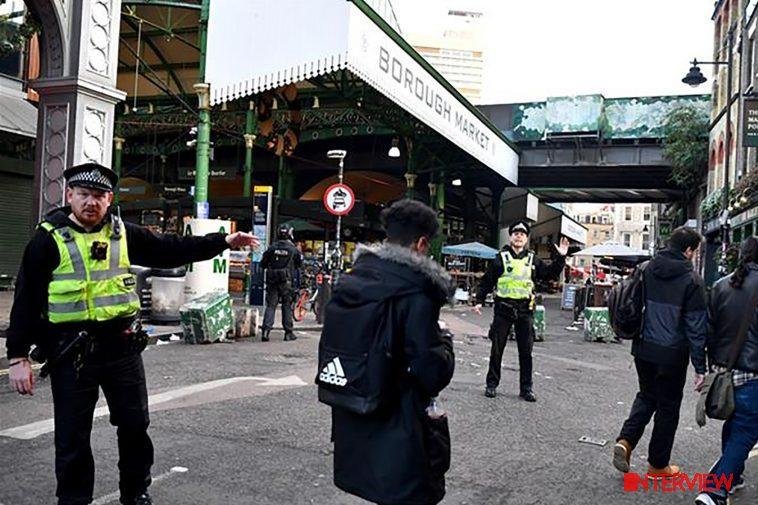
x,y
90,344
278,275
511,308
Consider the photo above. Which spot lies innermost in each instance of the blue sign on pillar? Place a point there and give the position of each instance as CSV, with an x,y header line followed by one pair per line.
x,y
262,204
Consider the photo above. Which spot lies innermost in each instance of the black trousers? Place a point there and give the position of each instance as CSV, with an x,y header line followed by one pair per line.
x,y
523,322
122,379
660,394
278,293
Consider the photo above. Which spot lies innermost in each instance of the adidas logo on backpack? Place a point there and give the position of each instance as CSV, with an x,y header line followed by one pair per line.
x,y
333,373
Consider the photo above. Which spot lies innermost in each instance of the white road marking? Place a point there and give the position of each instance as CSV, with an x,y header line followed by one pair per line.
x,y
753,453
111,497
34,430
585,364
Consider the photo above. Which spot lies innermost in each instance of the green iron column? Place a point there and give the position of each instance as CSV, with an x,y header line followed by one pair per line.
x,y
437,200
440,200
410,174
203,150
204,120
118,150
249,136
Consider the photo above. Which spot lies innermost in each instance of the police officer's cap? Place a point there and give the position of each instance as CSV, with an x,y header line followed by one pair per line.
x,y
519,225
91,175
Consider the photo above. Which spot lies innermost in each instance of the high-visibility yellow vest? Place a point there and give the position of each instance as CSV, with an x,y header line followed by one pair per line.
x,y
88,289
516,282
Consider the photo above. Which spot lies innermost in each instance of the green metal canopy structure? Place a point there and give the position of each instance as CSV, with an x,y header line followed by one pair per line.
x,y
358,83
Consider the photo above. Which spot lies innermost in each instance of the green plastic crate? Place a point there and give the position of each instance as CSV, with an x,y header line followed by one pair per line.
x,y
208,318
539,322
597,326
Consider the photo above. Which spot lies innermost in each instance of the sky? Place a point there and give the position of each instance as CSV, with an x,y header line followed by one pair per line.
x,y
618,48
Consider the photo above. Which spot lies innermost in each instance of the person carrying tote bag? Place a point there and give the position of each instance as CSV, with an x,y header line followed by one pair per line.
x,y
731,393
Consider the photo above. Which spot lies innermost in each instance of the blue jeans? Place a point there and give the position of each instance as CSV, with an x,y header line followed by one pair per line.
x,y
739,435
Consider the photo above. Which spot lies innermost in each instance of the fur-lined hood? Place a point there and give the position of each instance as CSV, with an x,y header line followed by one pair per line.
x,y
403,256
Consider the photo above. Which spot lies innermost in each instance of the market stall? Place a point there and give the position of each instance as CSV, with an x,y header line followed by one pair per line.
x,y
591,299
466,265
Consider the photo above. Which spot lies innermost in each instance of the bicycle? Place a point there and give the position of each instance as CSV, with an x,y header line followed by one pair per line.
x,y
314,295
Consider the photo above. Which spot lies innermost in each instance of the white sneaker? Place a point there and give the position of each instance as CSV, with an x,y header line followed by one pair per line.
x,y
738,485
707,499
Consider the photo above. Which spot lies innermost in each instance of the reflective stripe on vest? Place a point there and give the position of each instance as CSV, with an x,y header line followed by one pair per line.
x,y
87,289
516,282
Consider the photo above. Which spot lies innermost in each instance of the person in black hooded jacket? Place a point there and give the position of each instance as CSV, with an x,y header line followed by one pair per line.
x,y
673,332
732,301
397,454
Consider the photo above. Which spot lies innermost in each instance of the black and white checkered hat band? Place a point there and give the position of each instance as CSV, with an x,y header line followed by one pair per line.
x,y
91,178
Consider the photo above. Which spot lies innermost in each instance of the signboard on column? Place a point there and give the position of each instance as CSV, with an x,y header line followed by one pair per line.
x,y
750,132
262,206
211,275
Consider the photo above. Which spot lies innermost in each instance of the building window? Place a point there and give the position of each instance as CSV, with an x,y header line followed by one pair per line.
x,y
645,241
627,237
646,214
607,235
627,213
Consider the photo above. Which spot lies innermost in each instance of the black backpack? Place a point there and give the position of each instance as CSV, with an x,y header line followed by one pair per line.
x,y
355,362
626,305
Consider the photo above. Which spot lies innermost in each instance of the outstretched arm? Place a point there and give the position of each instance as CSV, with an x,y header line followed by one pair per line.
x,y
170,251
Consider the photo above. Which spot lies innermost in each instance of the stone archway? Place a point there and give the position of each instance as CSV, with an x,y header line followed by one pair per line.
x,y
77,90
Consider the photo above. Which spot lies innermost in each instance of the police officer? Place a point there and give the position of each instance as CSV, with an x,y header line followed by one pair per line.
x,y
280,261
74,287
514,272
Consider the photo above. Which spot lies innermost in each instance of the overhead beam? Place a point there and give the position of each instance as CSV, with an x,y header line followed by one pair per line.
x,y
163,3
160,56
161,30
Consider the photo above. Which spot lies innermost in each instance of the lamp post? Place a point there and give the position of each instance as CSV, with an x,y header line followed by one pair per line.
x,y
338,154
694,78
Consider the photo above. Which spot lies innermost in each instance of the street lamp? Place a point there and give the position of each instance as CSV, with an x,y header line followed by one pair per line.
x,y
694,78
394,151
338,154
457,182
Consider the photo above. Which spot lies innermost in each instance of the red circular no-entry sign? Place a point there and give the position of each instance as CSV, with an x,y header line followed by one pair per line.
x,y
339,199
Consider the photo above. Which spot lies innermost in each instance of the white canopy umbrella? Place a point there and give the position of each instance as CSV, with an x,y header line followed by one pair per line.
x,y
612,250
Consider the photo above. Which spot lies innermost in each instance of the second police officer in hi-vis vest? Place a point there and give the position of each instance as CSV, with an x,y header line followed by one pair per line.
x,y
76,300
512,274
280,262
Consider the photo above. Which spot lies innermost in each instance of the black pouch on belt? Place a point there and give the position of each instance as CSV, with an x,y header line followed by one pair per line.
x,y
136,338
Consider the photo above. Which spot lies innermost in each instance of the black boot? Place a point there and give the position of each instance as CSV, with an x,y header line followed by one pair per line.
x,y
290,336
528,396
490,392
264,335
143,499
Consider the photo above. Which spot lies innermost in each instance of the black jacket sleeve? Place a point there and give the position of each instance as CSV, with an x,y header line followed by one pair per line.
x,y
266,258
27,323
487,284
429,351
551,271
696,323
149,249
